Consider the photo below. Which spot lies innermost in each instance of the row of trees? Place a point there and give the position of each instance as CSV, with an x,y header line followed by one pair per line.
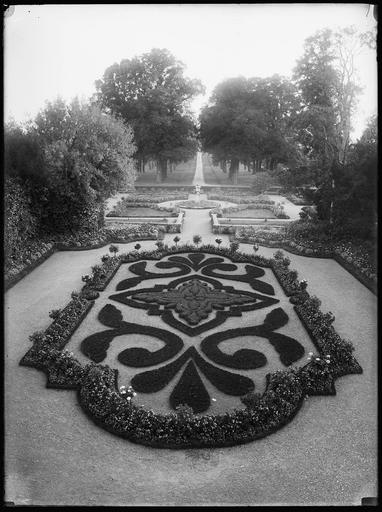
x,y
152,95
303,123
250,121
71,157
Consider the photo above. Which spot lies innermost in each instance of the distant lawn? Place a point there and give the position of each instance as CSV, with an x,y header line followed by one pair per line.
x,y
213,175
123,211
250,214
183,174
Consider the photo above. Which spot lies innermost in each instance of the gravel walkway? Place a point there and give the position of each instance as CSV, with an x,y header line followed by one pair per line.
x,y
199,176
54,455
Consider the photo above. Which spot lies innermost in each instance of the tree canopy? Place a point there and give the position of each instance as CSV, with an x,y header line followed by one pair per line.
x,y
68,160
249,120
325,77
151,93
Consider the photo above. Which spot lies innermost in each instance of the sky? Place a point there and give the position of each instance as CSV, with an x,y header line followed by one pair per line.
x,y
61,50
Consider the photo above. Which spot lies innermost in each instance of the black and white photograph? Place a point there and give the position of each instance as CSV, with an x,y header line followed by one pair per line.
x,y
190,255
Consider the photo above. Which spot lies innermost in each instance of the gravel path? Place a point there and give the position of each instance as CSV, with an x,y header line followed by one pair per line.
x,y
199,176
54,455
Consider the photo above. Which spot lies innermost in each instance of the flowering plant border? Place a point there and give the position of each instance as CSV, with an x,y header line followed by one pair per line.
x,y
107,406
319,251
50,248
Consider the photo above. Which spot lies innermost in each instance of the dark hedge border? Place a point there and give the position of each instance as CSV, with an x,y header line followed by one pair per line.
x,y
96,345
289,349
288,397
227,382
128,298
357,274
190,390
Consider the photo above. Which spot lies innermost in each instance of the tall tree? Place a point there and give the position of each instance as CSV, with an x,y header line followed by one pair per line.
x,y
326,79
151,93
248,121
87,156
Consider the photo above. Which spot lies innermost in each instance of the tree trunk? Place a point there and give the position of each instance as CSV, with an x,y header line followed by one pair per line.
x,y
234,170
331,204
162,164
223,166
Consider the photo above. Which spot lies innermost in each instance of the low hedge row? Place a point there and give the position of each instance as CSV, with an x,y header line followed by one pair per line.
x,y
285,391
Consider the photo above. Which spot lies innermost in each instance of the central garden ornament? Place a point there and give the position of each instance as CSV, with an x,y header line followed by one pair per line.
x,y
193,301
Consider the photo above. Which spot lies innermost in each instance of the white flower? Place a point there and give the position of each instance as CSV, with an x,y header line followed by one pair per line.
x,y
327,360
310,354
317,358
213,399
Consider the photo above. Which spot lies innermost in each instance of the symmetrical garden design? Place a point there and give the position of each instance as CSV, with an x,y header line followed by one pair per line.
x,y
193,301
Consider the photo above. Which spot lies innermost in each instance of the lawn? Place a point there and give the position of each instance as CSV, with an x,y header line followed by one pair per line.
x,y
259,213
124,211
183,174
213,175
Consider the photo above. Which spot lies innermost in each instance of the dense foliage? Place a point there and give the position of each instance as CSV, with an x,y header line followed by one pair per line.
x,y
151,93
249,120
60,168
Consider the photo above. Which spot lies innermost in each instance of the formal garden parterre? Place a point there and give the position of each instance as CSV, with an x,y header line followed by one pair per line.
x,y
187,426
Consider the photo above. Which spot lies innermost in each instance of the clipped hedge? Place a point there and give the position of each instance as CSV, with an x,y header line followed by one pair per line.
x,y
285,390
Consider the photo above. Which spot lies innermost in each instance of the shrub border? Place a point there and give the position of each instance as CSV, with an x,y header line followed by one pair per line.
x,y
271,424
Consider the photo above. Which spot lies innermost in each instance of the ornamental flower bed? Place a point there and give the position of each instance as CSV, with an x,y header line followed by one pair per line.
x,y
353,256
137,198
36,252
123,209
114,409
277,210
196,204
243,198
